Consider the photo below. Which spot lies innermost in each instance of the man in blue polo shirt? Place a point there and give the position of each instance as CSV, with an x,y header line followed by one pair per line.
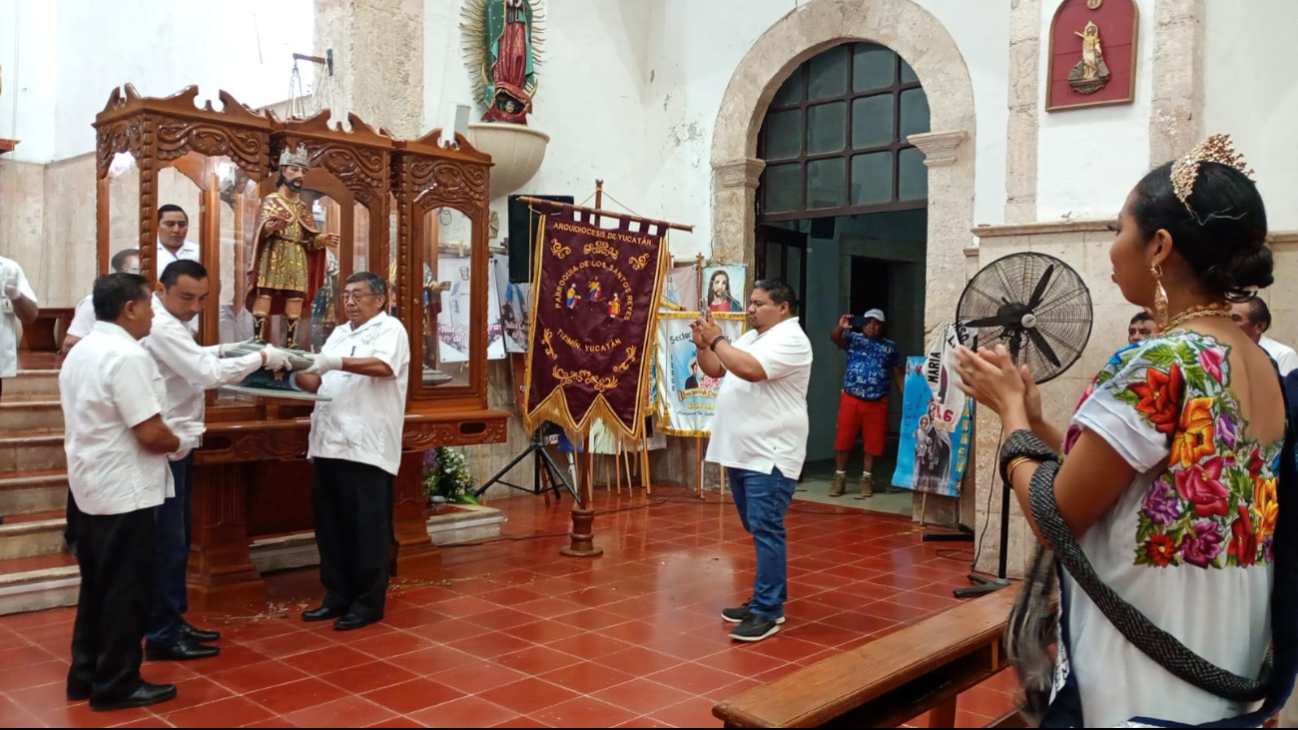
x,y
873,365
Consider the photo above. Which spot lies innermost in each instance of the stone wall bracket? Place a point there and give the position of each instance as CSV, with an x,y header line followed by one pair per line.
x,y
939,148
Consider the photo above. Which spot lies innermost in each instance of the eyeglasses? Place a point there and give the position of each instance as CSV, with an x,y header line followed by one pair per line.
x,y
353,296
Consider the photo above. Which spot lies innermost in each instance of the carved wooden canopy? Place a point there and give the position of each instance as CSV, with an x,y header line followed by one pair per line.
x,y
157,130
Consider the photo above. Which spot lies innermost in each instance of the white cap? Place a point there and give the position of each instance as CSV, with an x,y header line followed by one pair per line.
x,y
875,313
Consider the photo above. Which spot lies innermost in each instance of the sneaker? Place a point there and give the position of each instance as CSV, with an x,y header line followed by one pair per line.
x,y
754,628
739,613
867,488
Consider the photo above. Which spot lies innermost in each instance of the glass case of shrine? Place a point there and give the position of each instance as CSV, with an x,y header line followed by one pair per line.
x,y
413,211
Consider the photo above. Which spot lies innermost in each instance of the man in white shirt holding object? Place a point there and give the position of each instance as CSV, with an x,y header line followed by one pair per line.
x,y
1254,318
188,372
117,446
356,449
760,435
17,304
126,261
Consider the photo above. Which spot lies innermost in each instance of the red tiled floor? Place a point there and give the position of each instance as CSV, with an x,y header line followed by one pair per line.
x,y
414,695
518,636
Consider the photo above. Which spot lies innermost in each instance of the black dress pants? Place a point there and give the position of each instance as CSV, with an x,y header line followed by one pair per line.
x,y
116,557
352,503
72,516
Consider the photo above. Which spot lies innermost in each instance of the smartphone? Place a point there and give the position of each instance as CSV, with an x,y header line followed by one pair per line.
x,y
856,322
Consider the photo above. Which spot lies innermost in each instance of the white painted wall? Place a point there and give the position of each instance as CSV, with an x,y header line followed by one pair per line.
x,y
77,51
694,50
1089,159
630,92
590,98
1256,102
28,66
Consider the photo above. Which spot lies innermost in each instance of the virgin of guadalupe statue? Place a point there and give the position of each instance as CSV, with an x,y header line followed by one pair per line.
x,y
504,40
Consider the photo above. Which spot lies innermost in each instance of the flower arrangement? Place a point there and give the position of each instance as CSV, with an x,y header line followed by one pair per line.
x,y
446,479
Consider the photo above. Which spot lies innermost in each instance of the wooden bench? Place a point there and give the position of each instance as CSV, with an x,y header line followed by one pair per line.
x,y
920,668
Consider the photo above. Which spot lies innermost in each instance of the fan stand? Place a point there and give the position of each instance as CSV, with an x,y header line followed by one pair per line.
x,y
991,585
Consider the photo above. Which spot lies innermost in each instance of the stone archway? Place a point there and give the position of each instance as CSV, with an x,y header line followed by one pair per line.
x,y
920,39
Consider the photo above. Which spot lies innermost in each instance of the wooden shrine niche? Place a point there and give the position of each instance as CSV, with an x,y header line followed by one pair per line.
x,y
413,211
388,201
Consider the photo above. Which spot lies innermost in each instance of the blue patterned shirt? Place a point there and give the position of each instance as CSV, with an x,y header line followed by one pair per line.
x,y
869,365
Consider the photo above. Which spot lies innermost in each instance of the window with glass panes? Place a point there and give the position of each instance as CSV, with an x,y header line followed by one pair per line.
x,y
834,137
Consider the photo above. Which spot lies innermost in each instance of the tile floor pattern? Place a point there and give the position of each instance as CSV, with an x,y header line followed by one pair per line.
x,y
517,636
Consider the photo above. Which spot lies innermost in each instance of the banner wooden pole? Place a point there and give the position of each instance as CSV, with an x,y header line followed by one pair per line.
x,y
644,463
582,538
698,448
597,212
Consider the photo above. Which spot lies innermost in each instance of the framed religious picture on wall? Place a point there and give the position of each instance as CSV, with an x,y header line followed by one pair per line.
x,y
724,288
1092,54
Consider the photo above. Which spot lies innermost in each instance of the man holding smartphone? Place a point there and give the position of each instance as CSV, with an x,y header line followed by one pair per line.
x,y
873,365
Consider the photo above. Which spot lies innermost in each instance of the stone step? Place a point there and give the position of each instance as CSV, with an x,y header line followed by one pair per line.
x,y
35,584
32,535
50,579
30,415
33,492
31,451
32,385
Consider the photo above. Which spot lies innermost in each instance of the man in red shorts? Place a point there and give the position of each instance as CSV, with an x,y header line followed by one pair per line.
x,y
873,365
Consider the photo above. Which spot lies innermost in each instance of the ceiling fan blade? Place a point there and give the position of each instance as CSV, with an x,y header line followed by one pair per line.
x,y
999,320
1040,291
1039,340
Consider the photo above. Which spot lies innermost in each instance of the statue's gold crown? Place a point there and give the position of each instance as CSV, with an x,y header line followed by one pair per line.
x,y
1217,148
300,157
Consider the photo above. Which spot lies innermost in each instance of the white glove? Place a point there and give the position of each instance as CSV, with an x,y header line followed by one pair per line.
x,y
325,364
190,434
276,359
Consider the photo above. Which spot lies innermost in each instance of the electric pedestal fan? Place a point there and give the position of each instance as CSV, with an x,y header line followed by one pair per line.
x,y
1040,309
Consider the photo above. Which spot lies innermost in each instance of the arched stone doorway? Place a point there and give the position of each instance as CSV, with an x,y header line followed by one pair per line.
x,y
914,34
842,211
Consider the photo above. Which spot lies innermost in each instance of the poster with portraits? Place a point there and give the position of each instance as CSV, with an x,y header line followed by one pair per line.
x,y
930,458
453,322
687,395
723,288
681,289
515,306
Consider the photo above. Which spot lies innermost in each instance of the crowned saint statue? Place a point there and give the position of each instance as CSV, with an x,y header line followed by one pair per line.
x,y
289,261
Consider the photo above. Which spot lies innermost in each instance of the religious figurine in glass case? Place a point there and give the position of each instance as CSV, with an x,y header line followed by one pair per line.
x,y
289,261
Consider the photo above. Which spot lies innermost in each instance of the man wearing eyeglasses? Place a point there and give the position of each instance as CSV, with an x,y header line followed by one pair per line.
x,y
356,448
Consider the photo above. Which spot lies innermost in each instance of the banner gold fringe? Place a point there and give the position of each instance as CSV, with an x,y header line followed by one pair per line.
x,y
554,407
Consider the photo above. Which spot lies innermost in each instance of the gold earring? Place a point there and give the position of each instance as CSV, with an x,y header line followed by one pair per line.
x,y
1160,297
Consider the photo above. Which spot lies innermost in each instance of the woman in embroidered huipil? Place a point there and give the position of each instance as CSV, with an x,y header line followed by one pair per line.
x,y
1170,478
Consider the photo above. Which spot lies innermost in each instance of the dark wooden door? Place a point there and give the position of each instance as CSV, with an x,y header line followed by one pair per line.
x,y
782,254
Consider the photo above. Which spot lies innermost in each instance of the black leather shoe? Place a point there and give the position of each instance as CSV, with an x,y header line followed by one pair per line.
x,y
190,631
352,621
77,694
183,650
144,695
320,613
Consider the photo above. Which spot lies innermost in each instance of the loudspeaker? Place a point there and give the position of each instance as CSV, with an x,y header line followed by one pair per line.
x,y
822,227
522,235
